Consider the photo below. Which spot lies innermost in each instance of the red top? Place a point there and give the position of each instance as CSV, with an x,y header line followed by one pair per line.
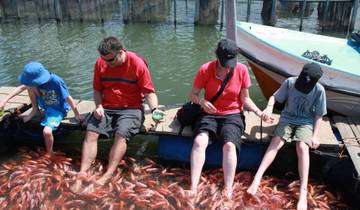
x,y
123,86
229,101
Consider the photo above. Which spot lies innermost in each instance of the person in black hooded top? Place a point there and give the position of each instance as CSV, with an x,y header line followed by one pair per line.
x,y
305,105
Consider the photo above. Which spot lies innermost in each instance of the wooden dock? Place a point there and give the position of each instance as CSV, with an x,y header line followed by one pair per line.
x,y
255,130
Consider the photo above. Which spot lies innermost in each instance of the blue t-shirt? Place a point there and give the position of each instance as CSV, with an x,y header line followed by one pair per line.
x,y
300,108
53,94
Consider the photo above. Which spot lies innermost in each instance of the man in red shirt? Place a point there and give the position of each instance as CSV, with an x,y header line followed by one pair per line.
x,y
222,120
121,81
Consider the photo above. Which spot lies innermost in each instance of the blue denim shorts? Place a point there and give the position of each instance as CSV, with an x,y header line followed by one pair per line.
x,y
52,118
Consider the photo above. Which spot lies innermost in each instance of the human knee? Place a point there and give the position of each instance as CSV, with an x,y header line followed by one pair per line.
x,y
302,147
91,136
47,132
229,147
201,141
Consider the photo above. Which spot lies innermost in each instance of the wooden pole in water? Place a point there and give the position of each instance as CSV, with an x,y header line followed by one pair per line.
x,y
353,15
101,8
197,11
80,10
325,12
57,11
175,13
2,13
222,15
125,11
230,12
248,10
302,14
273,12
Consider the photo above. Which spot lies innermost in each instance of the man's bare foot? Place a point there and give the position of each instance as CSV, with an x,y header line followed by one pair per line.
x,y
76,187
103,180
253,187
302,203
190,193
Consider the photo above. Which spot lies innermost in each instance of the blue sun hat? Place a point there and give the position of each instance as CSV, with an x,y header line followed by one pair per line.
x,y
34,74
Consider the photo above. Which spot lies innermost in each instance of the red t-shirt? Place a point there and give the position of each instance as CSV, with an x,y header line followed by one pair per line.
x,y
229,101
123,86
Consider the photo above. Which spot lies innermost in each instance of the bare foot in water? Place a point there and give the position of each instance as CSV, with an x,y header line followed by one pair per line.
x,y
253,188
302,203
76,187
103,180
228,193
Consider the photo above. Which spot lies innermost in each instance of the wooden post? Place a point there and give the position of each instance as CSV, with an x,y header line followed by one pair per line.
x,y
248,10
230,12
197,11
268,14
353,15
80,10
273,12
125,11
2,14
175,13
325,12
186,6
208,12
57,11
222,15
302,14
18,16
101,8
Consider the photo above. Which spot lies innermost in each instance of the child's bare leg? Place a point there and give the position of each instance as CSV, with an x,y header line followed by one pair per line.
x,y
49,139
35,110
302,150
270,154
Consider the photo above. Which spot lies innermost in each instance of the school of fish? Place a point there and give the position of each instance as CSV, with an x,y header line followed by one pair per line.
x,y
36,181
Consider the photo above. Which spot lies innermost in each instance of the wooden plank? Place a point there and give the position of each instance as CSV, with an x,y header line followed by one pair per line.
x,y
355,126
85,109
252,132
349,139
6,90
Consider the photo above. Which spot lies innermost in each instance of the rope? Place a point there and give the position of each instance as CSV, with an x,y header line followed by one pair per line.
x,y
315,55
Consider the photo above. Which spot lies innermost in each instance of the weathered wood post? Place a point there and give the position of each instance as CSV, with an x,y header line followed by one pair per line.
x,y
2,14
268,14
338,17
175,13
248,9
57,11
145,10
303,6
80,10
230,11
353,15
208,12
222,15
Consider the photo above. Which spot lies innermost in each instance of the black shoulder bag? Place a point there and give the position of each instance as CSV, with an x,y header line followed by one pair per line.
x,y
189,112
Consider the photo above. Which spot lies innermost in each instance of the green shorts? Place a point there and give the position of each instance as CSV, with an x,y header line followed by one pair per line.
x,y
290,132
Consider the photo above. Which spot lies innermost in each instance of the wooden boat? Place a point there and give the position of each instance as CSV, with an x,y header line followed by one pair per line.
x,y
275,54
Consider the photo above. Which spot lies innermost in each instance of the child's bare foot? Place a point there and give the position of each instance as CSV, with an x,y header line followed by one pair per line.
x,y
302,203
76,187
253,187
228,193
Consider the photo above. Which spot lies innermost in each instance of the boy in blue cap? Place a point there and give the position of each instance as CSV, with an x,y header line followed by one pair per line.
x,y
49,92
305,105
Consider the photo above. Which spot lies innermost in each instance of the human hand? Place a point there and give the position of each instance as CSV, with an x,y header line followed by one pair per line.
x,y
158,115
2,105
207,106
266,115
99,112
314,143
79,118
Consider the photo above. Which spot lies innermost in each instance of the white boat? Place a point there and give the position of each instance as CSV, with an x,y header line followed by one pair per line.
x,y
275,54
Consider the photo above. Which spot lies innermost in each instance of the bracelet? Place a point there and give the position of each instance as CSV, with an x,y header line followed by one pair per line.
x,y
153,109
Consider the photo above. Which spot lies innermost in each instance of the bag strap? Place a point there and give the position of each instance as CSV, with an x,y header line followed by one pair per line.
x,y
226,80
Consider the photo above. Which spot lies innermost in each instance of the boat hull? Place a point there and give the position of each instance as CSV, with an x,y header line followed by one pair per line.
x,y
337,102
275,54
